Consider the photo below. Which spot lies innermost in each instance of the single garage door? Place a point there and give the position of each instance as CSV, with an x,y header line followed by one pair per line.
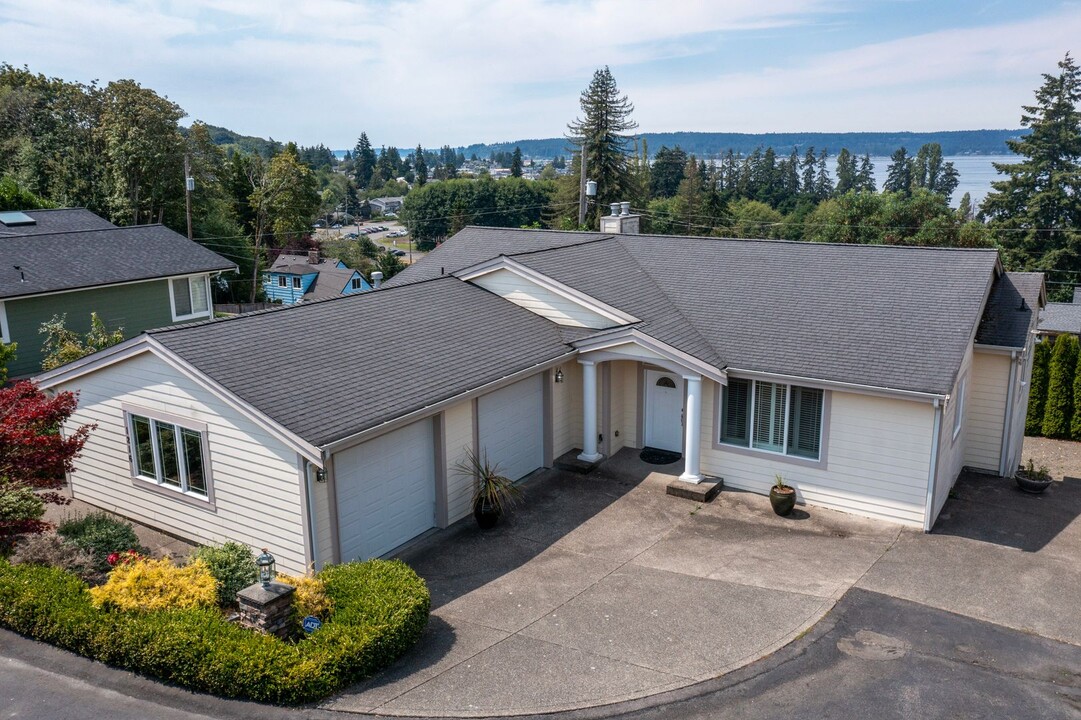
x,y
386,491
510,427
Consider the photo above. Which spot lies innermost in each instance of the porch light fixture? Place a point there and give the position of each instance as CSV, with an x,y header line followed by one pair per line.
x,y
559,375
265,562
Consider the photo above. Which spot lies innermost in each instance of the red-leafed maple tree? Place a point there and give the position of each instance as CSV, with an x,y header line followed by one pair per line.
x,y
35,455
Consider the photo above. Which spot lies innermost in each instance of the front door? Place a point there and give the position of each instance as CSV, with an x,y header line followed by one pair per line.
x,y
664,411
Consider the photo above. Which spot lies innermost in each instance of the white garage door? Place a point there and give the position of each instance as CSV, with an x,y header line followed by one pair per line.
x,y
386,491
510,425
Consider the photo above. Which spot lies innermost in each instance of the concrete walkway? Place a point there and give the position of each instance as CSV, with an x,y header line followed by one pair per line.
x,y
602,588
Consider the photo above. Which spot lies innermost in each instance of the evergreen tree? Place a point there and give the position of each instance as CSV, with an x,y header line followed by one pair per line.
x,y
364,161
602,132
807,182
516,163
929,171
1039,201
1037,392
964,209
899,173
865,179
1075,422
823,183
667,171
847,171
420,167
1059,411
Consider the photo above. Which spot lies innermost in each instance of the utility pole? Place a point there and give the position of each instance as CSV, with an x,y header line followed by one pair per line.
x,y
189,185
582,186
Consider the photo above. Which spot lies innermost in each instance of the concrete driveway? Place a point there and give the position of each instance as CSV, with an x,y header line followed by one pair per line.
x,y
602,588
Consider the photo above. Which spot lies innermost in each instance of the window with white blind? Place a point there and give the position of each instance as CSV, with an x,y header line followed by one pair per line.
x,y
169,455
772,417
190,297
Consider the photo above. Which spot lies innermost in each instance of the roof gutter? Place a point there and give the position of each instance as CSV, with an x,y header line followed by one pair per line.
x,y
1007,434
402,420
852,387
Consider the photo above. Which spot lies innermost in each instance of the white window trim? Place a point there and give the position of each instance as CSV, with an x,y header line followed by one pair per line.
x,y
209,298
283,281
750,450
298,283
155,483
5,333
959,411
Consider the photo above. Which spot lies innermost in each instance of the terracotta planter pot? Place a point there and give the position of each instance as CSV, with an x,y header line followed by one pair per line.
x,y
1031,485
782,500
486,515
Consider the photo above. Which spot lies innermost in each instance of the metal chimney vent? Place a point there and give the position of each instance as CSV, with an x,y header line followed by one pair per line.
x,y
377,279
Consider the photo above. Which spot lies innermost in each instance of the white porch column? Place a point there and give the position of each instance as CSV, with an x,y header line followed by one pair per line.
x,y
692,427
589,412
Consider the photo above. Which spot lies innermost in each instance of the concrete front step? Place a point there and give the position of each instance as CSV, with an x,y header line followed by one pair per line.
x,y
702,492
569,461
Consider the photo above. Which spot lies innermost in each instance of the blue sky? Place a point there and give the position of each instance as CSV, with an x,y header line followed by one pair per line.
x,y
462,71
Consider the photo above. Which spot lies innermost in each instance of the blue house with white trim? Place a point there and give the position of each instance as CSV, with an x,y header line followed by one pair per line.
x,y
297,278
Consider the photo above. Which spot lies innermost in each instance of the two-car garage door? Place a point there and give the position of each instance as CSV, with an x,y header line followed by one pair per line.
x,y
386,486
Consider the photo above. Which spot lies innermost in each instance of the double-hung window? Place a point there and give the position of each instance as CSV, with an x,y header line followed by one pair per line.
x,y
281,281
772,417
296,283
191,297
169,455
354,284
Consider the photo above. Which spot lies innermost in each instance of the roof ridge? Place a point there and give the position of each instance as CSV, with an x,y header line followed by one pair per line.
x,y
113,228
808,243
296,306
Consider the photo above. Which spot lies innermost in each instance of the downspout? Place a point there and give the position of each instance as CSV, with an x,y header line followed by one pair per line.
x,y
1007,421
312,534
932,474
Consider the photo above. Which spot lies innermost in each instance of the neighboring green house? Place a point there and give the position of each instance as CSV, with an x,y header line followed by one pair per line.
x,y
70,261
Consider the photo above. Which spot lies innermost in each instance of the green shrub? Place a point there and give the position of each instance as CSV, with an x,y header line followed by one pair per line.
x,y
52,550
1059,410
1037,392
232,565
100,534
149,584
1075,422
381,609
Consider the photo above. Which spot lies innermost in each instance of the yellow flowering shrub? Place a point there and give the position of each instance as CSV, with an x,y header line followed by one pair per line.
x,y
148,584
310,598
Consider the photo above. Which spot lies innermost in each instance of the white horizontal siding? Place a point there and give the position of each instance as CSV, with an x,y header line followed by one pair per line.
x,y
531,296
624,404
458,436
951,449
256,483
567,410
321,509
878,458
988,390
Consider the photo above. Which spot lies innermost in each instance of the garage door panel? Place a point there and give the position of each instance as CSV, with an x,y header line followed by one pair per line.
x,y
510,425
386,491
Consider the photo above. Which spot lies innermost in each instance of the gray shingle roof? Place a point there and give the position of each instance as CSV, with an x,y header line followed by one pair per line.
x,y
1006,320
57,221
1060,318
285,261
329,283
886,316
72,260
333,368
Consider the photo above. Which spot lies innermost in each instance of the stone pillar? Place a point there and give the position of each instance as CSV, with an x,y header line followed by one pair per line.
x,y
692,427
267,609
589,412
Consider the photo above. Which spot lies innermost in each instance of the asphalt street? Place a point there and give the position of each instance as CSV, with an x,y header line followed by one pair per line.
x,y
873,656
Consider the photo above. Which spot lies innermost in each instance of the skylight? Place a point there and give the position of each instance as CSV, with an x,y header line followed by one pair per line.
x,y
14,219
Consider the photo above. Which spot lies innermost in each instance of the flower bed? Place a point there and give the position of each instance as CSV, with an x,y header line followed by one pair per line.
x,y
380,610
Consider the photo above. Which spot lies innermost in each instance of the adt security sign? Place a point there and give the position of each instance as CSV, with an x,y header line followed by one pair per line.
x,y
311,624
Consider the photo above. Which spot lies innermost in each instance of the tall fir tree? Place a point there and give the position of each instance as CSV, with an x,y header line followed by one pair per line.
x,y
899,173
1059,411
807,181
1037,393
363,161
603,130
516,163
1038,204
420,167
823,183
865,179
846,171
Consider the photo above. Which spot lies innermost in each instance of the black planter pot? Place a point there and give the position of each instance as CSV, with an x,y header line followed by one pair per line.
x,y
782,502
1031,485
486,514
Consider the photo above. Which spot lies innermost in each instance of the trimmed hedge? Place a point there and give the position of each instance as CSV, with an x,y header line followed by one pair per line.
x,y
1037,393
1059,410
381,609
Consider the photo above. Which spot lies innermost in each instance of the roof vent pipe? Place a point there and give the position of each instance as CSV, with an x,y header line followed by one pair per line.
x,y
624,208
377,279
615,209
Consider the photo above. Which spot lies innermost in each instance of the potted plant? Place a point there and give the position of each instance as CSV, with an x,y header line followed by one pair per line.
x,y
1033,479
781,496
493,493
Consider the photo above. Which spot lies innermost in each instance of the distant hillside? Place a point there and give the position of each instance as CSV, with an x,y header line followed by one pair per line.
x,y
246,143
711,144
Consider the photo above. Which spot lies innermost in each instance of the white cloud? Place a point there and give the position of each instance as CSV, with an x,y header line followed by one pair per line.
x,y
459,71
